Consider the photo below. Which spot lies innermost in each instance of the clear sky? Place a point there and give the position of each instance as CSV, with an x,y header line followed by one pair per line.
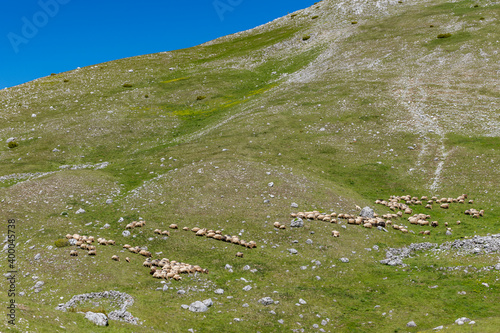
x,y
40,37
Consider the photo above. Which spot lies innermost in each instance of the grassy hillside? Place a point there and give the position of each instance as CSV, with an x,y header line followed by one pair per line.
x,y
337,105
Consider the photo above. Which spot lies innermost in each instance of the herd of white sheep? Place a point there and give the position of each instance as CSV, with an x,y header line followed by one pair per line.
x,y
400,205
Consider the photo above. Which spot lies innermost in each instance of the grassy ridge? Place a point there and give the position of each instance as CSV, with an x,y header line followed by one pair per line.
x,y
329,120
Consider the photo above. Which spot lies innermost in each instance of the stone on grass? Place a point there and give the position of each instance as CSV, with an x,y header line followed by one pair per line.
x,y
80,211
411,324
208,302
293,251
219,291
247,288
367,212
198,307
38,256
99,319
297,223
294,205
344,260
266,301
125,233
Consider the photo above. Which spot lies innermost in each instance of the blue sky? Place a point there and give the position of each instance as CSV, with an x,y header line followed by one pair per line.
x,y
40,37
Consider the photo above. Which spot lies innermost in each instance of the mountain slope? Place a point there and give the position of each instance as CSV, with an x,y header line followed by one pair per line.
x,y
336,105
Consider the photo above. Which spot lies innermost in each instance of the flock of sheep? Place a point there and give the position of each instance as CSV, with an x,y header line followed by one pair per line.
x,y
217,234
166,269
163,268
401,204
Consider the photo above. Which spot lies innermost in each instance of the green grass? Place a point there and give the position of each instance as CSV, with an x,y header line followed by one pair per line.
x,y
329,122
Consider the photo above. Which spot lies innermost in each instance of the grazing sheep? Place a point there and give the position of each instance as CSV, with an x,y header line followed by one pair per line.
x,y
368,225
76,236
282,226
73,253
177,277
165,233
68,236
405,231
252,244
91,248
102,242
277,224
115,258
434,224
145,253
110,242
185,229
157,231
78,243
130,226
173,226
445,206
458,222
92,253
127,246
147,263
335,233
91,238
201,232
134,249
84,246
471,201
195,229
239,254
127,259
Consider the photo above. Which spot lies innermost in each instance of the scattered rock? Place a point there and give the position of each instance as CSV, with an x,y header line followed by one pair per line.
x,y
297,223
245,305
293,251
208,302
271,184
38,256
266,301
125,233
309,241
80,211
294,205
165,287
99,319
367,212
411,324
345,260
109,201
198,307
448,233
246,268
39,284
438,328
219,291
247,288
301,301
